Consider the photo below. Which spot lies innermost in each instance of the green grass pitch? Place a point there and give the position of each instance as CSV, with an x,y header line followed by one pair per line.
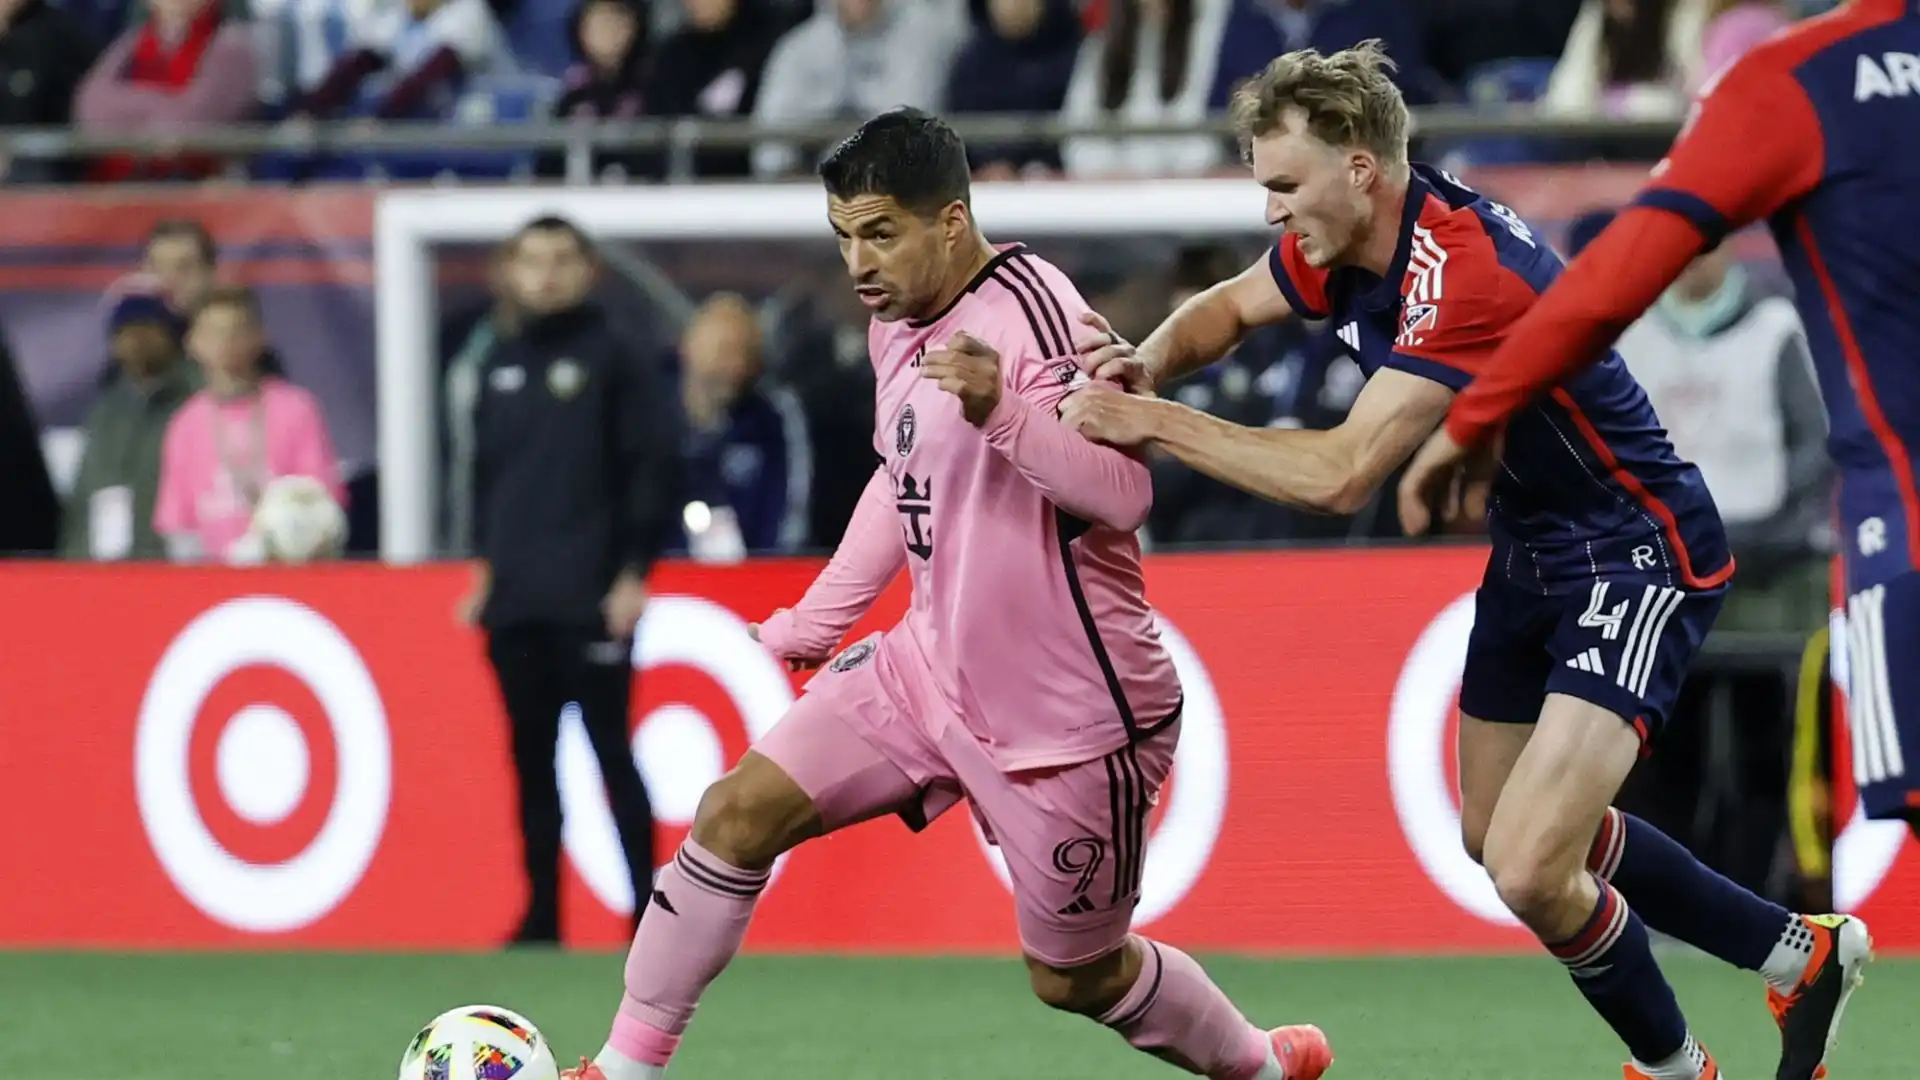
x,y
284,1016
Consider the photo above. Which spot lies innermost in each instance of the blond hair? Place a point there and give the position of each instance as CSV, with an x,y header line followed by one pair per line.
x,y
1349,100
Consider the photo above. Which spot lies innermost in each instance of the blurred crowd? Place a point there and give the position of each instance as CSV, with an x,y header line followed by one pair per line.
x,y
195,419
172,65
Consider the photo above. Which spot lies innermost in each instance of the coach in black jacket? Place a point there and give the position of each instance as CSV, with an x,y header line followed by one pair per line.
x,y
575,476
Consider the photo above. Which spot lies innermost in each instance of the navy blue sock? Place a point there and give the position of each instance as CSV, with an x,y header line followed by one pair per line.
x,y
1679,895
1612,963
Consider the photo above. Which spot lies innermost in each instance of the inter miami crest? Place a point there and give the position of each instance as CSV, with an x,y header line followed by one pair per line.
x,y
903,432
858,653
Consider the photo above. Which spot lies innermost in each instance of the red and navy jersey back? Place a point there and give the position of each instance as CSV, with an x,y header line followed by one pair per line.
x,y
1818,132
1590,486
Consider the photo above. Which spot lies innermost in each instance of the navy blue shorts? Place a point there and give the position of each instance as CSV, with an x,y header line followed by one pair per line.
x,y
1623,643
1882,672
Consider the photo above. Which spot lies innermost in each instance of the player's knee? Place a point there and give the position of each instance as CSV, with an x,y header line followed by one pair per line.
x,y
1533,887
750,819
1090,989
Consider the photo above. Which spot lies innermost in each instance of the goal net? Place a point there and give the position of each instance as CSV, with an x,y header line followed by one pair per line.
x,y
769,242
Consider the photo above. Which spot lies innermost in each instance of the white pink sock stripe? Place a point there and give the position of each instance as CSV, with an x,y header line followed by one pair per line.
x,y
1610,845
1616,925
634,1038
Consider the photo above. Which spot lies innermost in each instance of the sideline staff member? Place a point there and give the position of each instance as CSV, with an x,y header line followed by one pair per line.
x,y
575,469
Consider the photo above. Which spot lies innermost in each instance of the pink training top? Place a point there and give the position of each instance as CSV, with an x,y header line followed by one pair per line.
x,y
219,455
1028,601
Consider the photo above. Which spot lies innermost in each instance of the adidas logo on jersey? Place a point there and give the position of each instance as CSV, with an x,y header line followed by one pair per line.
x,y
1350,334
1588,661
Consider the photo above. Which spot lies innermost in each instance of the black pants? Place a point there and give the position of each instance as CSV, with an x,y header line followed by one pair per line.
x,y
541,669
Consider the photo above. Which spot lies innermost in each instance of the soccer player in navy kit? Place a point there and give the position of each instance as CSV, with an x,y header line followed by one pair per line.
x,y
1821,122
1609,560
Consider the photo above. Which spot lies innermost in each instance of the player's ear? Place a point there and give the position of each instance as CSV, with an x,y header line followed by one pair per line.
x,y
1362,168
956,222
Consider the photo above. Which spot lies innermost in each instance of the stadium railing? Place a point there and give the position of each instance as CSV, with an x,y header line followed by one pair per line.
x,y
679,138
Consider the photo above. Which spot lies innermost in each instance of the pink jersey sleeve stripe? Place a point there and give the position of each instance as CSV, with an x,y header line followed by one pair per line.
x,y
1024,282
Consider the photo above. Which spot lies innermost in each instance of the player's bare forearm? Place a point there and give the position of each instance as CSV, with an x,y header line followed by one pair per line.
x,y
1198,333
1313,470
1094,483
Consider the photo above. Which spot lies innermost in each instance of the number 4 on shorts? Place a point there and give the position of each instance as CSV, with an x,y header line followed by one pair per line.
x,y
1598,616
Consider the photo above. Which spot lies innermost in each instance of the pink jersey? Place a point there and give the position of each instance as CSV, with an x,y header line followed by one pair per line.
x,y
1028,607
218,455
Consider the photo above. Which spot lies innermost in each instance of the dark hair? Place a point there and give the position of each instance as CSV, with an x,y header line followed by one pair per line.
x,y
1635,50
552,223
238,297
186,229
908,155
1122,47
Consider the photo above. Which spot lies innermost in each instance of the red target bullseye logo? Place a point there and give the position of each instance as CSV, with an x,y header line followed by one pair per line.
x,y
1185,825
263,769
704,653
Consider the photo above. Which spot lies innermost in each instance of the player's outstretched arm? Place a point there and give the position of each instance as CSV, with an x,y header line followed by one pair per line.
x,y
869,557
1330,472
1198,333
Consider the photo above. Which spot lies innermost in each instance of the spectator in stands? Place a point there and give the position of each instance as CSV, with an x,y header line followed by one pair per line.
x,y
749,464
301,41
187,66
181,256
428,47
609,80
1018,59
43,52
711,68
29,508
1259,30
1728,372
854,58
1733,28
1630,59
231,439
109,513
1153,63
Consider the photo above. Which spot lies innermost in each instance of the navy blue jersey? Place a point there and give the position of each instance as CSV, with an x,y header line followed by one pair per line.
x,y
1590,487
1826,124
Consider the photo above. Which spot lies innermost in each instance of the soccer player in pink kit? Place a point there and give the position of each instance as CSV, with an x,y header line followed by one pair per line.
x,y
1027,676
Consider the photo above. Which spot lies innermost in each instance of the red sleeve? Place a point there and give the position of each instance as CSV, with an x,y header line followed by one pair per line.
x,y
1753,145
1458,307
1304,287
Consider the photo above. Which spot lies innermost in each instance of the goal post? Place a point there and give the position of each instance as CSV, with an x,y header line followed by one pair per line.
x,y
408,224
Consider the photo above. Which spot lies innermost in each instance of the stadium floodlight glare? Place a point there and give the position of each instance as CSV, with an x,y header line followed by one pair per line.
x,y
408,223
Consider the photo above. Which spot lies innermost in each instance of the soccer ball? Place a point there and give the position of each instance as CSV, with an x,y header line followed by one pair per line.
x,y
297,521
479,1042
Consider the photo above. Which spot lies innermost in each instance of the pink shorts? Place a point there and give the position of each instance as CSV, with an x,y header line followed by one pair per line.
x,y
872,736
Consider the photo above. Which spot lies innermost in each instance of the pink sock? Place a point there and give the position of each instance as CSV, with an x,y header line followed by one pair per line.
x,y
690,930
1175,1013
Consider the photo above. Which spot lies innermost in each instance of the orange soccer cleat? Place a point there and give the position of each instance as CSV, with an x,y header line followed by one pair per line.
x,y
1300,1052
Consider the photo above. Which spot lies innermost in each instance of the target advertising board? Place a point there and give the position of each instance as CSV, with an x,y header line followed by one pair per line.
x,y
317,758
